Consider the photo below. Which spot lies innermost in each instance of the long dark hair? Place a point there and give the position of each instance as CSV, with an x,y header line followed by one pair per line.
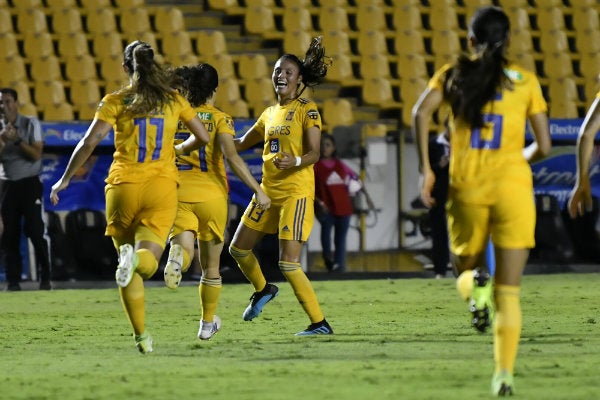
x,y
314,66
475,80
197,83
151,84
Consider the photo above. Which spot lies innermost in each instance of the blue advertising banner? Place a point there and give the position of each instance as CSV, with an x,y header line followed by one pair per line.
x,y
86,189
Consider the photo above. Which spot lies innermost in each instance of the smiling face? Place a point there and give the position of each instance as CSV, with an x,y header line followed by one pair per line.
x,y
286,79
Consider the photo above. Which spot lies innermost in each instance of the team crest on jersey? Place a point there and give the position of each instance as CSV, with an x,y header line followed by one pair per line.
x,y
313,114
290,115
229,123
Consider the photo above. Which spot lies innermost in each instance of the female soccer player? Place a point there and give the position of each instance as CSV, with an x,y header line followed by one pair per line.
x,y
291,133
141,187
491,188
203,193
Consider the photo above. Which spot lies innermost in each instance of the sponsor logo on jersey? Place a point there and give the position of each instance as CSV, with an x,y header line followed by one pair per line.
x,y
290,115
274,145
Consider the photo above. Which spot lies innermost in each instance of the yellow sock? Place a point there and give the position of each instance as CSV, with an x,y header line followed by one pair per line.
x,y
248,263
132,298
302,289
209,289
464,284
147,265
187,261
507,327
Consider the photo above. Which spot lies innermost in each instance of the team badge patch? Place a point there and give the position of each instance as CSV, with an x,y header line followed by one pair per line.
x,y
229,123
289,116
313,114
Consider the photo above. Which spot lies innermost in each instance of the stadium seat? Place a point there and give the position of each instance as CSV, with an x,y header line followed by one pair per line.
x,y
378,92
38,45
589,65
169,19
550,19
176,44
411,66
111,68
588,41
49,93
371,42
296,3
373,130
375,65
85,93
12,69
519,19
58,112
512,4
45,69
554,42
341,71
222,5
297,18
86,112
336,42
370,18
563,109
22,89
472,5
443,19
259,20
407,18
66,20
28,109
25,5
526,60
57,4
6,24
129,4
445,43
297,41
112,85
410,90
337,112
72,44
31,20
134,21
253,66
9,44
333,18
92,6
408,42
223,63
563,89
405,3
101,21
229,90
439,60
147,36
259,94
585,19
558,65
182,59
520,42
210,42
107,44
237,108
80,68
591,88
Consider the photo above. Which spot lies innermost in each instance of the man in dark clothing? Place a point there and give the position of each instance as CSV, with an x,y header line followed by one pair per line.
x,y
21,146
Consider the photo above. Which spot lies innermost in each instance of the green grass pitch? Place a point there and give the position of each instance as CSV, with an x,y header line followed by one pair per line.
x,y
394,339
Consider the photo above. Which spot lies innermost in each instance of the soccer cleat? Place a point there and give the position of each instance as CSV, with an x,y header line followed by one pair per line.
x,y
144,343
208,329
258,301
318,328
174,265
128,262
481,305
503,384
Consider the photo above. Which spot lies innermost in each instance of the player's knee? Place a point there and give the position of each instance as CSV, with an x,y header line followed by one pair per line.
x,y
148,264
237,253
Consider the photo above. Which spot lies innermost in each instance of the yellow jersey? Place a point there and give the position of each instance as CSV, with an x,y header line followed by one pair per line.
x,y
144,145
283,128
202,174
482,159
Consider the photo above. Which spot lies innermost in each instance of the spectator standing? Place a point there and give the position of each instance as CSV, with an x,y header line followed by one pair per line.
x,y
21,148
291,133
203,194
141,187
491,184
335,184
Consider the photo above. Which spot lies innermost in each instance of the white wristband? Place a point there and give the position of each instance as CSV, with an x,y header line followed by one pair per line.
x,y
298,161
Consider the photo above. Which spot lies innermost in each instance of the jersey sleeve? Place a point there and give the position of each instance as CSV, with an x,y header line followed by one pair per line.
x,y
107,109
311,116
538,103
437,80
187,112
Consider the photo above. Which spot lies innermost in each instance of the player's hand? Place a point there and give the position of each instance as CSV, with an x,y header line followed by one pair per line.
x,y
262,200
427,181
60,185
284,160
580,200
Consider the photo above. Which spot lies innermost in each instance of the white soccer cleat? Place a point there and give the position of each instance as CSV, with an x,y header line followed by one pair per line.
x,y
174,266
128,262
143,343
208,329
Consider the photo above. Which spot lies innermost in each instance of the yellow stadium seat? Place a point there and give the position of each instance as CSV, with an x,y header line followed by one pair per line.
x,y
6,24
563,89
405,3
585,19
297,42
336,42
372,42
66,20
409,42
182,59
296,3
134,21
512,4
589,65
259,20
86,112
80,68
9,44
223,63
128,4
563,109
558,65
146,36
112,85
375,65
25,5
12,69
85,92
45,69
210,42
439,60
54,4
337,111
259,93
92,6
31,20
176,44
28,109
253,66
229,89
411,66
519,19
22,89
583,3
411,89
472,5
169,19
333,18
443,19
378,92
72,44
332,3
58,112
222,5
38,45
520,42
552,42
342,72
49,92
407,18
101,21
526,60
108,44
445,43
550,19
297,18
111,68
588,41
591,89
265,3
374,129
237,108
370,17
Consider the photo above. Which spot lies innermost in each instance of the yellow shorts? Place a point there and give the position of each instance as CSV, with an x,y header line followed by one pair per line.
x,y
509,221
293,219
130,206
207,219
